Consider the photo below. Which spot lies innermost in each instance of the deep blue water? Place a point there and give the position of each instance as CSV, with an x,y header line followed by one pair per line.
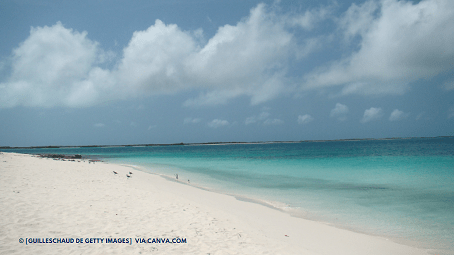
x,y
401,189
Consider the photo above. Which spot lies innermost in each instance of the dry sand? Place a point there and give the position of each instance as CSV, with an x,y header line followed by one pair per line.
x,y
46,198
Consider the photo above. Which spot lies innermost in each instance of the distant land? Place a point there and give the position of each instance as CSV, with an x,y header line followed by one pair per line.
x,y
214,143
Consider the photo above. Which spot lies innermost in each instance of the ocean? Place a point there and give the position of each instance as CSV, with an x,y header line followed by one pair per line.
x,y
400,189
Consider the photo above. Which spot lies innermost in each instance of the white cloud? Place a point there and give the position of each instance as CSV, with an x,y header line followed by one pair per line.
x,y
273,122
372,114
249,58
400,42
397,115
358,20
50,67
309,19
57,66
99,125
190,120
304,119
340,112
152,61
218,123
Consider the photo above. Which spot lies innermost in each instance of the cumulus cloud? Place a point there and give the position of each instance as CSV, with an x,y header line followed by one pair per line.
x,y
311,17
217,123
51,67
152,61
397,115
399,42
304,119
372,114
395,42
59,66
249,58
340,112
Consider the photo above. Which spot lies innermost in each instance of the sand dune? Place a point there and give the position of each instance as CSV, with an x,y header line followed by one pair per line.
x,y
45,198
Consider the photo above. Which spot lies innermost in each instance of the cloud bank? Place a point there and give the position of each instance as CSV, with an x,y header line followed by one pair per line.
x,y
58,66
392,43
399,42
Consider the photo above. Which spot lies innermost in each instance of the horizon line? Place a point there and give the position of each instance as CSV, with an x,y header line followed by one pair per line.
x,y
212,143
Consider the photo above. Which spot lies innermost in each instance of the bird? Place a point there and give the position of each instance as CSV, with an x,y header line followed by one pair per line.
x,y
130,172
115,172
128,176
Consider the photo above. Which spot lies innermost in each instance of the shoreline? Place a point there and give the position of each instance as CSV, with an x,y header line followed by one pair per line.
x,y
216,143
269,204
51,198
293,212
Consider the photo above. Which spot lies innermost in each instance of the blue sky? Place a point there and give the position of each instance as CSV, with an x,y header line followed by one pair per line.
x,y
140,72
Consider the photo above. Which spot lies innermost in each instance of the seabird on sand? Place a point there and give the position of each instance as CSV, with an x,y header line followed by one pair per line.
x,y
130,172
115,172
128,176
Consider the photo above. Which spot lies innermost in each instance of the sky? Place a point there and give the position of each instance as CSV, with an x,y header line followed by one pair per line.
x,y
99,72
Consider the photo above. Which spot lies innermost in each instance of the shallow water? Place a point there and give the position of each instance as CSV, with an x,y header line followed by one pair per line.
x,y
401,189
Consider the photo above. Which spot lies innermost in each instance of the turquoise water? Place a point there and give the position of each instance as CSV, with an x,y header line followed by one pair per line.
x,y
401,189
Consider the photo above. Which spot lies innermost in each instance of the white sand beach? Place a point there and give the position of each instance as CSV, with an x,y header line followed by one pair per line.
x,y
46,198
